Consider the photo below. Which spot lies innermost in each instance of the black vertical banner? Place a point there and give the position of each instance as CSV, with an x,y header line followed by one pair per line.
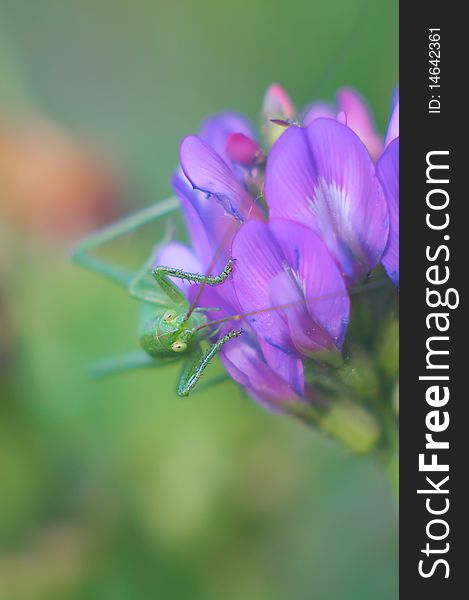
x,y
434,228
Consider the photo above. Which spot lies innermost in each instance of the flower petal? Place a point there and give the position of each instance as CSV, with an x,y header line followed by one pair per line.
x,y
244,362
217,129
209,173
322,176
210,229
194,218
359,118
322,322
288,367
276,106
178,256
306,335
388,173
277,103
393,126
258,260
318,110
286,268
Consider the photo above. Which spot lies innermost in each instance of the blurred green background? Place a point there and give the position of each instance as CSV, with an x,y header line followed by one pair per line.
x,y
118,489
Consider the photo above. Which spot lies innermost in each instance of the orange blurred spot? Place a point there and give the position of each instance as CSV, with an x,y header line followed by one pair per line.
x,y
51,184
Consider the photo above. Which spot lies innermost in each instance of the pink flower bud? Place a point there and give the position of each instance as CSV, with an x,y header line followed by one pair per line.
x,y
241,149
277,106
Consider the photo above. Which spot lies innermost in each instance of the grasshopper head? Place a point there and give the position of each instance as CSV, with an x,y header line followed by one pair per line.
x,y
169,333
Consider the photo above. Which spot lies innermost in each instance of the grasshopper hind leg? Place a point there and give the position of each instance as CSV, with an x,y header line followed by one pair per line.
x,y
114,365
82,256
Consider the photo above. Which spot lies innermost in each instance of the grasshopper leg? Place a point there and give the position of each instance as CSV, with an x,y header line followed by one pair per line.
x,y
81,254
142,287
126,362
160,273
195,366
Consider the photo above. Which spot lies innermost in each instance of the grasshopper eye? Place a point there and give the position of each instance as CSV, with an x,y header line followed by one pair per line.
x,y
169,316
178,346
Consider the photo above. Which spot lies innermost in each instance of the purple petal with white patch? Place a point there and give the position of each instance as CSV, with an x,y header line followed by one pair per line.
x,y
323,176
388,173
284,265
318,280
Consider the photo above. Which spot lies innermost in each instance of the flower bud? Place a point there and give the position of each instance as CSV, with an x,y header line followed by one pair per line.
x,y
242,150
277,106
352,425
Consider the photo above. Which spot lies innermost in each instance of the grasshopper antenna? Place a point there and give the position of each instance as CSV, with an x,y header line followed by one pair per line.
x,y
359,289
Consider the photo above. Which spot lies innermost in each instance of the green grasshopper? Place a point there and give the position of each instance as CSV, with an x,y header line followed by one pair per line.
x,y
171,328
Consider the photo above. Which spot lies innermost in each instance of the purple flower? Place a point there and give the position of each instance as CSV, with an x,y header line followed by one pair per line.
x,y
206,222
211,193
209,216
217,129
388,173
286,278
322,176
270,377
273,388
353,111
206,161
328,228
209,173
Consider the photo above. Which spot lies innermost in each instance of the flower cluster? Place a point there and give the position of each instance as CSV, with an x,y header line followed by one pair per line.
x,y
305,215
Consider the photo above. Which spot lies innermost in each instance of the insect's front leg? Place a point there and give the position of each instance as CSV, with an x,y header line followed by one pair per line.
x,y
161,273
196,365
